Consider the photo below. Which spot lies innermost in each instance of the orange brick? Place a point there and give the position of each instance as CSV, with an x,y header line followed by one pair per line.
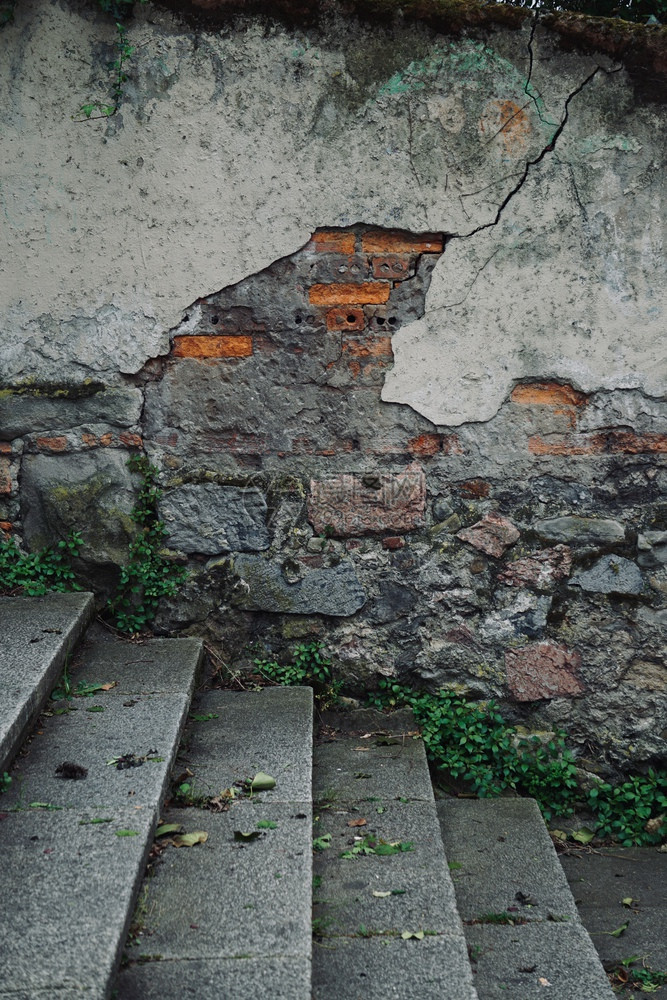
x,y
131,440
333,241
106,439
400,241
89,440
5,448
6,527
426,445
370,347
610,442
212,347
51,443
629,443
547,394
564,445
340,295
351,318
473,489
393,267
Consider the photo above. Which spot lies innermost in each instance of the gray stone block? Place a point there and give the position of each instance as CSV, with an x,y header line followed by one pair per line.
x,y
213,519
501,847
37,635
372,772
268,730
387,968
161,666
574,530
536,960
610,575
215,978
331,590
24,413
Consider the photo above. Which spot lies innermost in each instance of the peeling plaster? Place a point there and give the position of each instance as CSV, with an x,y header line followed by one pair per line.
x,y
232,148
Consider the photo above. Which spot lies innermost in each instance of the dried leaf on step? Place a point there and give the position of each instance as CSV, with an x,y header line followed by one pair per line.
x,y
382,895
168,828
417,935
190,839
262,782
356,822
583,836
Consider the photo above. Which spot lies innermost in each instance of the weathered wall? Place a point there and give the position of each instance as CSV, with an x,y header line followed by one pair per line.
x,y
387,308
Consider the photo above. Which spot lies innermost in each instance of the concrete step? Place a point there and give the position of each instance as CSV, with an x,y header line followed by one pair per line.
x,y
37,634
230,918
74,851
504,867
370,767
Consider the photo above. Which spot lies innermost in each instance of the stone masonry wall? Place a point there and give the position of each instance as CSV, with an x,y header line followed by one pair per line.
x,y
385,304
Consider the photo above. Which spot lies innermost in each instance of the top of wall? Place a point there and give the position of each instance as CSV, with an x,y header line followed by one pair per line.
x,y
642,49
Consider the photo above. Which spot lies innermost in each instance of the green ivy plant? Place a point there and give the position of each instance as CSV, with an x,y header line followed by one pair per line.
x,y
35,573
97,109
148,574
309,667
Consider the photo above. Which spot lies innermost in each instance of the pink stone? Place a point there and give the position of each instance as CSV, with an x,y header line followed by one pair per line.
x,y
492,535
352,505
543,670
539,570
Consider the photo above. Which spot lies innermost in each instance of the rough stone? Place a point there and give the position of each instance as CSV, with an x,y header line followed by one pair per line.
x,y
93,494
214,519
652,546
610,575
540,570
329,590
574,530
349,505
543,670
492,535
61,406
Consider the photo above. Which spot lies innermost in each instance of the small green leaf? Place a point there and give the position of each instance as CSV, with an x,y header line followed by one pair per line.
x,y
165,828
417,935
454,865
262,782
583,836
127,833
96,820
619,930
266,824
190,839
95,708
201,718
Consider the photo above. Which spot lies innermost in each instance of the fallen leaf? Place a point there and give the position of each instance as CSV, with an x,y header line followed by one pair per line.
x,y
362,774
653,825
583,836
418,935
266,824
244,836
108,687
168,828
558,834
543,982
127,833
190,839
382,895
356,822
628,901
619,930
622,974
262,782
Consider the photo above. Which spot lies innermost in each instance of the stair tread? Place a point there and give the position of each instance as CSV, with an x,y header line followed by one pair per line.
x,y
501,847
227,913
77,882
359,951
37,634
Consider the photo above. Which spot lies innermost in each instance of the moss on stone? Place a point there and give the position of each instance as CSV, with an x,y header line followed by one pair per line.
x,y
53,390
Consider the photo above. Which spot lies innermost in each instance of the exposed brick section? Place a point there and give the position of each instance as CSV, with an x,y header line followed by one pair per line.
x,y
451,445
492,535
332,241
543,670
369,347
351,318
51,443
212,347
473,489
6,527
392,267
5,448
540,570
547,394
348,292
351,505
393,542
5,477
131,440
398,241
425,445
612,442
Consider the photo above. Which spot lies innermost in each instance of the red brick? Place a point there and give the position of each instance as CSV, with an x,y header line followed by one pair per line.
x,y
106,439
369,347
393,267
400,241
89,440
51,443
6,527
212,347
425,446
611,442
350,293
628,443
346,319
543,670
492,535
539,570
5,477
353,505
333,241
131,440
451,445
473,489
393,542
5,448
547,394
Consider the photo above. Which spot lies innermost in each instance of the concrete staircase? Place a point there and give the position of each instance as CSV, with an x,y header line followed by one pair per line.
x,y
230,917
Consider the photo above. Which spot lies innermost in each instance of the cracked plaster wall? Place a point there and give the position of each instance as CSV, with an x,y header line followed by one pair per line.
x,y
233,145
